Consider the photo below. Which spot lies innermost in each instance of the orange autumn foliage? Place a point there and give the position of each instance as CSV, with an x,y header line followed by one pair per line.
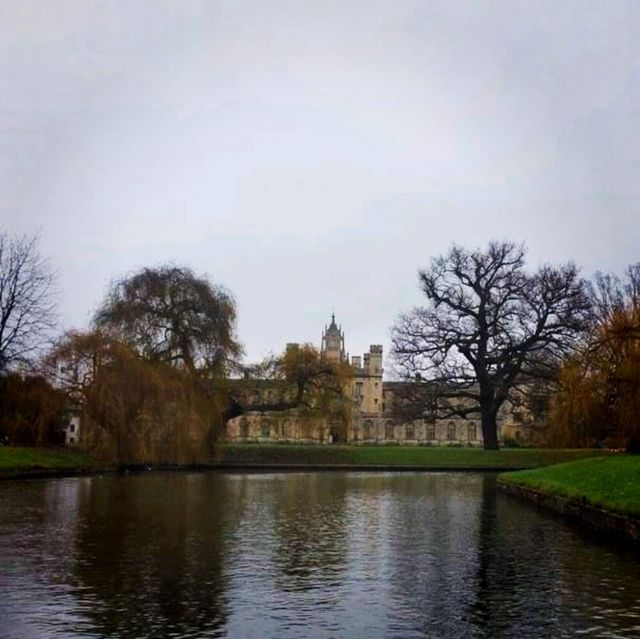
x,y
599,399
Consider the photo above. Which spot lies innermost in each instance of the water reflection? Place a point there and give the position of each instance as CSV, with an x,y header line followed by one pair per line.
x,y
291,555
159,546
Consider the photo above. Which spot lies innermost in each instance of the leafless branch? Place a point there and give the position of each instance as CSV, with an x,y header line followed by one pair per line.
x,y
27,300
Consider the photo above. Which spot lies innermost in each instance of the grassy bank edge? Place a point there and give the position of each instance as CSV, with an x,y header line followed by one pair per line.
x,y
38,461
394,456
609,483
35,461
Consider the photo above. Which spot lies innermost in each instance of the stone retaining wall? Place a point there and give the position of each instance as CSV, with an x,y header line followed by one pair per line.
x,y
604,520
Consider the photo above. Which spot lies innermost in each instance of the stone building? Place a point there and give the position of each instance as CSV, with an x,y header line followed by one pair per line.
x,y
72,428
373,420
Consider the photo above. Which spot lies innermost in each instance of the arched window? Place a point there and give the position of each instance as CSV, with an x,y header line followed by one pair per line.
x,y
409,432
265,431
472,432
431,432
451,431
389,431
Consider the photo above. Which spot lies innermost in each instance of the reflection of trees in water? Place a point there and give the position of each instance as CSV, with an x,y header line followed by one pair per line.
x,y
518,572
391,555
432,530
536,576
308,518
492,606
467,561
150,553
515,573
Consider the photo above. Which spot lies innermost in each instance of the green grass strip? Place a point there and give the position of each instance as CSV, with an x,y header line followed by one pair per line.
x,y
432,457
611,483
13,458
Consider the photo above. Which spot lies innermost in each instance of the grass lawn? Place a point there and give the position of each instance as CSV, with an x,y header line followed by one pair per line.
x,y
436,457
612,483
19,459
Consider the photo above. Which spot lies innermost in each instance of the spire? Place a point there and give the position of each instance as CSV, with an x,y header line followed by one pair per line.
x,y
332,344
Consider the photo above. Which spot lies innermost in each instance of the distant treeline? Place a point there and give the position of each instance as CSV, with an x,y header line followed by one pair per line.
x,y
159,371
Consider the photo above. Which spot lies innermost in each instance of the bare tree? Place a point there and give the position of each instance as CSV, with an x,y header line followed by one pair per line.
x,y
488,327
615,300
27,300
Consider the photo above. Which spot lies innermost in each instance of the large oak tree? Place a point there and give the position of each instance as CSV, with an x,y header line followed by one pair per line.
x,y
488,326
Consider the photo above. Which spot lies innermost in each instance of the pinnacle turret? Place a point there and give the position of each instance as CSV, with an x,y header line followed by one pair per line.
x,y
332,346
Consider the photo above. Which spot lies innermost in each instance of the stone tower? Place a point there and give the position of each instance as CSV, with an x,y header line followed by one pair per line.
x,y
374,360
332,346
368,381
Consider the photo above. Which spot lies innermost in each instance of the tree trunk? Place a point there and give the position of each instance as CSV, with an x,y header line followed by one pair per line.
x,y
490,428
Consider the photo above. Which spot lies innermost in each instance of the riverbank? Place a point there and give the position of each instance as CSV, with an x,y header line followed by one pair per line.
x,y
611,483
393,457
18,461
34,462
603,492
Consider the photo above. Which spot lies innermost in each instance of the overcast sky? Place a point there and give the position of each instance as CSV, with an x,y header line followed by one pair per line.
x,y
313,155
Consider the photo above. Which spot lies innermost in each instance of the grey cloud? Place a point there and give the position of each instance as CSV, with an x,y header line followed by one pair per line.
x,y
314,155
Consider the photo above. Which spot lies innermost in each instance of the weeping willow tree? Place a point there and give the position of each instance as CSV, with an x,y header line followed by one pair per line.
x,y
599,398
151,377
168,314
136,411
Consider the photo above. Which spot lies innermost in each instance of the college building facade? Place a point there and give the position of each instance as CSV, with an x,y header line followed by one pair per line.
x,y
373,420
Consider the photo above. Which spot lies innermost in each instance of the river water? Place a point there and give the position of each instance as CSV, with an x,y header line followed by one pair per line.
x,y
211,554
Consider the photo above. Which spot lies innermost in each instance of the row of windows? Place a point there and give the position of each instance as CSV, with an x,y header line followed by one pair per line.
x,y
409,433
389,432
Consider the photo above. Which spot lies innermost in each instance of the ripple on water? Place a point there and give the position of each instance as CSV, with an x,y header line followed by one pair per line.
x,y
301,555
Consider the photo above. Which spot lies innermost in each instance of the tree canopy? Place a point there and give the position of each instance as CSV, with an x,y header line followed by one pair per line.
x,y
171,315
150,378
598,401
32,411
136,410
299,380
487,327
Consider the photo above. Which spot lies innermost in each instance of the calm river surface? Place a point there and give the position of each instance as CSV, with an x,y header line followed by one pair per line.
x,y
209,554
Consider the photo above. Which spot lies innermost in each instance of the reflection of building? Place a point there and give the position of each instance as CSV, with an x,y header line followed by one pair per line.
x,y
373,421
